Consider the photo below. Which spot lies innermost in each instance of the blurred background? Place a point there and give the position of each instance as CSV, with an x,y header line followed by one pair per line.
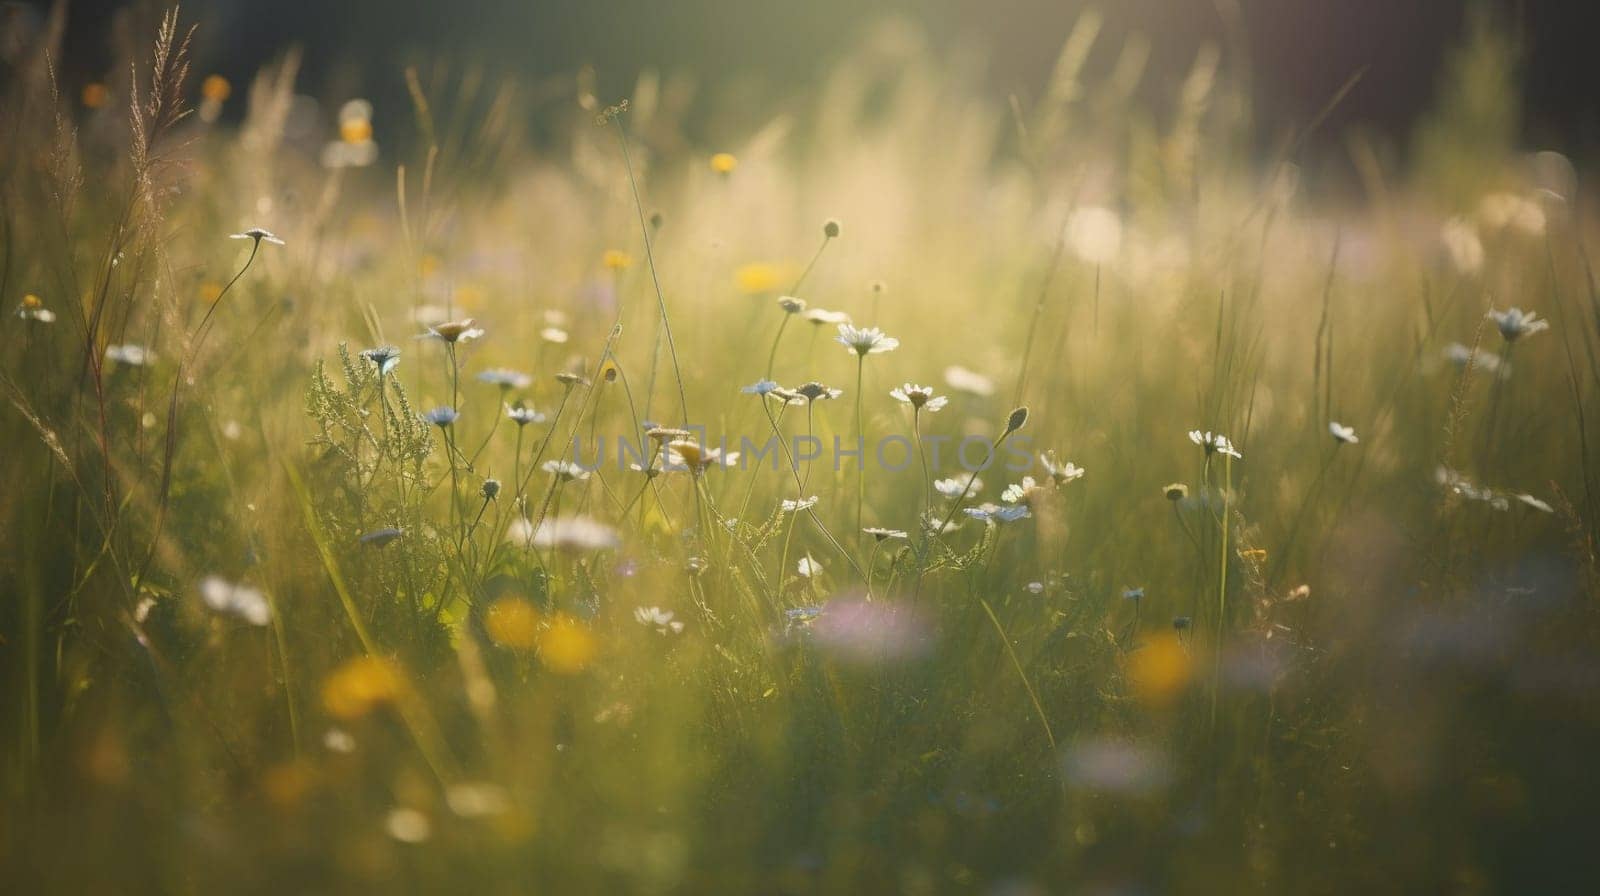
x,y
1299,51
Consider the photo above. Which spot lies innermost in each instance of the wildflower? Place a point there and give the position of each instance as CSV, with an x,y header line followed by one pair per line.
x,y
442,416
566,647
861,632
243,601
1514,323
355,131
791,305
1133,594
576,533
998,513
259,235
1175,491
830,228
1499,210
215,88
866,340
919,397
786,396
695,457
820,316
408,825
490,489
564,470
802,615
969,381
663,434
380,537
1344,435
1161,669
553,335
955,486
815,392
881,534
795,505
130,354
512,622
1181,623
473,799
567,378
756,278
505,378
1017,420
338,740
1020,491
1461,356
33,309
522,415
1535,503
1461,242
1214,443
759,387
661,620
1035,587
616,260
933,524
808,567
723,163
386,357
453,331
360,685
95,95
1095,234
1060,473
1300,592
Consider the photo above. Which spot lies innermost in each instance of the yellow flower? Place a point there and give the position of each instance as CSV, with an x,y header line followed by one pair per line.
x,y
215,88
95,95
210,291
355,130
359,685
513,622
616,260
1159,671
757,277
724,163
31,301
566,647
468,297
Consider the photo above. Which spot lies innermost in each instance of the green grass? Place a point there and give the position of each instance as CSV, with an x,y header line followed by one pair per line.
x,y
1381,679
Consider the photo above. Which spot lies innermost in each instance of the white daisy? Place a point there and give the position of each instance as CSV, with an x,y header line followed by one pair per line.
x,y
866,340
919,397
955,486
1214,443
1514,323
1345,435
257,234
659,619
243,601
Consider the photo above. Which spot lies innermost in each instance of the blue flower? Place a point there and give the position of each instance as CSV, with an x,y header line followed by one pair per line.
x,y
759,387
387,357
381,537
441,416
505,378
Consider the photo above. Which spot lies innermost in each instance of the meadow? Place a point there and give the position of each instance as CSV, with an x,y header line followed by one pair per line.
x,y
1032,494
